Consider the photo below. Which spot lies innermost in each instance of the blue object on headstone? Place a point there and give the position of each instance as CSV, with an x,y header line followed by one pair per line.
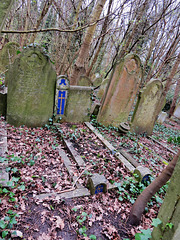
x,y
99,188
61,102
63,81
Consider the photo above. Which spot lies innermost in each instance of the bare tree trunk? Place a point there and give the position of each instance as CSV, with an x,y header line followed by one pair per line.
x,y
176,93
44,12
5,8
104,28
26,23
60,69
139,206
79,67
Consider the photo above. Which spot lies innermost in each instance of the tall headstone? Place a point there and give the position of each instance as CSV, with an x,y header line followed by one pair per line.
x,y
146,110
177,111
31,89
78,104
121,91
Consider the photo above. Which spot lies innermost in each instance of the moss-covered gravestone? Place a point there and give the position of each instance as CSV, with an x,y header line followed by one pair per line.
x,y
31,89
146,110
8,55
78,104
121,91
84,81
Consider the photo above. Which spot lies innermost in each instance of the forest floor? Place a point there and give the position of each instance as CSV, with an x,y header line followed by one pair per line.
x,y
35,167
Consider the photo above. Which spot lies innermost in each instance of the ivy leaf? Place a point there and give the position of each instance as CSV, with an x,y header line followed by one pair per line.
x,y
156,222
2,224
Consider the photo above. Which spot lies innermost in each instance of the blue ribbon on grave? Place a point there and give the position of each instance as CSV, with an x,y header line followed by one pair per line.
x,y
61,102
99,188
63,81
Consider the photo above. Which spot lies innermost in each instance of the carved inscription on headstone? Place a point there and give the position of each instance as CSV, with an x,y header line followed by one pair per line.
x,y
31,89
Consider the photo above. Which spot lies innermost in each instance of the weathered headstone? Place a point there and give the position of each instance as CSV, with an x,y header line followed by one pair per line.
x,y
102,88
31,89
146,110
62,87
78,104
162,117
97,82
121,91
177,111
84,81
8,55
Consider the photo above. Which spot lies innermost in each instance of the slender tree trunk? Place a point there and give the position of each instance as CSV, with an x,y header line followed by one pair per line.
x,y
26,23
139,206
60,69
44,12
80,64
104,28
176,93
5,8
168,83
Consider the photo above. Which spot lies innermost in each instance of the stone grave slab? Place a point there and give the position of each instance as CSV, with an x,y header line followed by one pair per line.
x,y
162,117
121,91
146,110
78,104
84,81
31,89
177,111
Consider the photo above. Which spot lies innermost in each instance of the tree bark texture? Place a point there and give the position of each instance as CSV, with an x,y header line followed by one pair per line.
x,y
5,7
80,64
139,206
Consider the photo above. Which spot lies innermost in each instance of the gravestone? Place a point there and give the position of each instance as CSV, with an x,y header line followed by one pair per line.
x,y
78,104
8,55
62,87
121,91
102,88
162,117
177,111
97,82
146,110
31,89
84,81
